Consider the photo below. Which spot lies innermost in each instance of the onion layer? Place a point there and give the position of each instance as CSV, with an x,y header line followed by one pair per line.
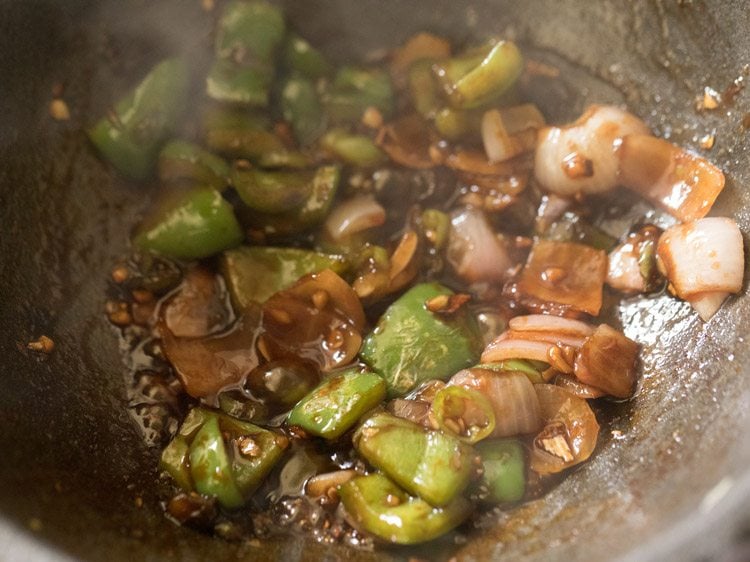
x,y
474,250
353,216
607,361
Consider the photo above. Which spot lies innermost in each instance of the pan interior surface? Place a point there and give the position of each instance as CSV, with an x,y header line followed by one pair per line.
x,y
76,479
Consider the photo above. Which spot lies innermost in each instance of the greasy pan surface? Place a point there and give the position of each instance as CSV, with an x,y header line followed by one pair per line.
x,y
670,481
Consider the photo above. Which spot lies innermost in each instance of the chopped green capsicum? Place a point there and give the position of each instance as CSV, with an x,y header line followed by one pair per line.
x,y
240,134
504,474
217,455
431,464
338,403
380,507
301,107
248,36
358,150
255,273
465,412
273,191
190,224
311,212
304,59
182,161
355,89
131,135
410,344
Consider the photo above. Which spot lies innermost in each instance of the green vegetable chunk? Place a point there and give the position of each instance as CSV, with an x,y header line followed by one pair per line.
x,y
273,191
300,105
190,224
304,59
255,273
371,502
431,464
454,404
248,36
182,161
131,136
357,150
410,344
504,469
217,455
425,94
355,89
337,403
239,134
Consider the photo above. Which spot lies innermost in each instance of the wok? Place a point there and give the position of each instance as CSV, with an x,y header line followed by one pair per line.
x,y
670,477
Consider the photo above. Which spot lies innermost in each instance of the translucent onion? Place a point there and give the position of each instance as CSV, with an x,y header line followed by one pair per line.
x,y
512,396
581,158
503,349
476,162
570,431
548,323
681,183
607,361
474,250
199,308
623,270
577,388
703,257
352,216
503,143
407,142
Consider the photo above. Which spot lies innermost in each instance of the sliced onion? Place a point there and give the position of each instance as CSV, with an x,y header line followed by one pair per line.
x,y
199,308
548,323
552,338
512,396
501,143
581,158
624,271
681,183
326,483
207,365
607,361
474,250
503,349
353,216
565,273
705,256
577,388
706,304
550,209
476,162
570,432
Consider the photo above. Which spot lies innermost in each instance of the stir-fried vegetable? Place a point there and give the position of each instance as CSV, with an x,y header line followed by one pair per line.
x,y
337,248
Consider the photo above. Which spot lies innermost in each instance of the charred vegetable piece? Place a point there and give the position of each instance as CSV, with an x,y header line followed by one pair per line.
x,y
130,137
410,344
217,455
380,507
310,213
338,403
189,224
254,273
358,150
473,80
182,161
464,412
248,36
239,134
318,319
301,107
302,58
354,89
206,365
504,474
431,464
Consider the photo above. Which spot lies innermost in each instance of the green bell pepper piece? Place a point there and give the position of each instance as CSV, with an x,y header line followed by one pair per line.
x,y
302,58
354,89
358,150
380,507
272,192
248,36
311,213
436,227
410,344
301,107
423,88
338,402
210,468
457,124
255,273
221,456
181,161
454,403
495,74
131,136
431,464
531,369
239,134
190,224
504,469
